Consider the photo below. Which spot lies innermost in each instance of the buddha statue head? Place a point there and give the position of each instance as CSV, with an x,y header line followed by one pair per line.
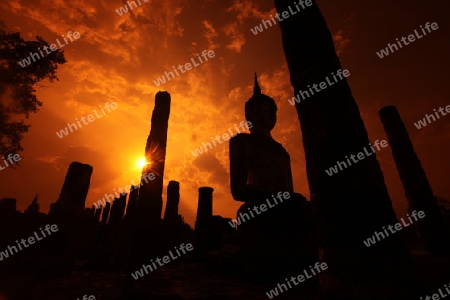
x,y
261,111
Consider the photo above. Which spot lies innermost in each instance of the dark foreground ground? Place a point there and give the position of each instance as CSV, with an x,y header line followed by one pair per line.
x,y
184,281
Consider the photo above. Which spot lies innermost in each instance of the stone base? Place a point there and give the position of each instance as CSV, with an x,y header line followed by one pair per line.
x,y
368,276
258,257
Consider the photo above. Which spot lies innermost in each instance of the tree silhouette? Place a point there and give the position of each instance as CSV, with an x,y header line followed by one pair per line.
x,y
17,95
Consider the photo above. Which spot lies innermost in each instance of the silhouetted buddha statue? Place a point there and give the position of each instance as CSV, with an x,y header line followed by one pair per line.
x,y
260,168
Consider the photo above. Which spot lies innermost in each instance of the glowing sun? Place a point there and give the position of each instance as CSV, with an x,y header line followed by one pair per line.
x,y
142,162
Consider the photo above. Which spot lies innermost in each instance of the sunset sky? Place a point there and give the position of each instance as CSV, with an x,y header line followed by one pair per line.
x,y
117,58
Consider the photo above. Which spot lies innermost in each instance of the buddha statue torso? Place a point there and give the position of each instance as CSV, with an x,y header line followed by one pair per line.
x,y
266,161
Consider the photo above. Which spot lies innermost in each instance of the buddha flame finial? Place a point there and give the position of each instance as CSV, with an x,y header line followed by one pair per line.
x,y
256,88
256,101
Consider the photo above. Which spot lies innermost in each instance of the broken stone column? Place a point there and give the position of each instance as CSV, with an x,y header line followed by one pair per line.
x,y
172,222
173,199
72,199
204,209
132,202
204,217
115,231
105,213
8,205
89,213
69,215
415,182
354,203
118,210
98,213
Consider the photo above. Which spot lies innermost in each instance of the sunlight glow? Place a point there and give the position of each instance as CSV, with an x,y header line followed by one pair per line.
x,y
142,162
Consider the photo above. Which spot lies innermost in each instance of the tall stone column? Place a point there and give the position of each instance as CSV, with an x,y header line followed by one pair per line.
x,y
415,182
150,194
354,203
147,226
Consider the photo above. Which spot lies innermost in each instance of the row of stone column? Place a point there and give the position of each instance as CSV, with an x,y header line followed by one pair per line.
x,y
415,182
352,206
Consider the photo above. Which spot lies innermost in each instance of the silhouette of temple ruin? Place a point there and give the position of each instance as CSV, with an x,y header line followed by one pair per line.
x,y
417,188
344,210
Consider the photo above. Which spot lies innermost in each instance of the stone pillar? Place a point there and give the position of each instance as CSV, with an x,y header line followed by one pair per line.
x,y
172,224
69,215
204,217
8,207
98,213
132,202
146,238
173,199
114,232
89,213
118,209
72,199
415,182
150,194
105,214
354,203
204,210
93,208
